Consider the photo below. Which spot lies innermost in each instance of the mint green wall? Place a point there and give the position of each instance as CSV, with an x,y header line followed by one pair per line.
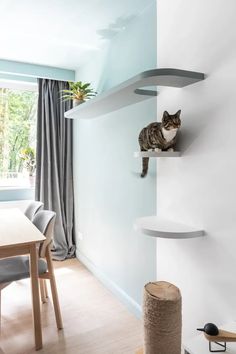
x,y
14,77
13,70
109,194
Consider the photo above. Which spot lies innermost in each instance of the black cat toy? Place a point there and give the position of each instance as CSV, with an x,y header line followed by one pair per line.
x,y
213,334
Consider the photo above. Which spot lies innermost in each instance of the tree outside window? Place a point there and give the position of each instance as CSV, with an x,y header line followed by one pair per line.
x,y
18,110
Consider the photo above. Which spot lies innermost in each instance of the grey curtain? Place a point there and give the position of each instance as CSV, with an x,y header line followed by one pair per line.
x,y
54,175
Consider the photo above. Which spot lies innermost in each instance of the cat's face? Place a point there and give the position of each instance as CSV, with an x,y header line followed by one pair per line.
x,y
171,121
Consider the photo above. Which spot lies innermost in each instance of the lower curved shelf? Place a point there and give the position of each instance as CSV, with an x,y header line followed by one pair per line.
x,y
159,227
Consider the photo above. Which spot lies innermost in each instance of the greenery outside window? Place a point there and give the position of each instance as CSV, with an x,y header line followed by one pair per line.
x,y
18,111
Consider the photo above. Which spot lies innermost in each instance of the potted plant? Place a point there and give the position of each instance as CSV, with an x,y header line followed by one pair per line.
x,y
28,157
78,92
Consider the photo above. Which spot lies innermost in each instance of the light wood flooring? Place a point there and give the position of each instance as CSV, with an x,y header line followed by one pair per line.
x,y
95,322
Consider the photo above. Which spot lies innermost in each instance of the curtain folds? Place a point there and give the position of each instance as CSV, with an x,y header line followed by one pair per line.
x,y
54,174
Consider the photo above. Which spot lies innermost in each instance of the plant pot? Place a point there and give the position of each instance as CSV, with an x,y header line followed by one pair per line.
x,y
77,102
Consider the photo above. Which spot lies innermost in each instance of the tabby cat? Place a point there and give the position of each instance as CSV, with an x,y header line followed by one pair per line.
x,y
159,136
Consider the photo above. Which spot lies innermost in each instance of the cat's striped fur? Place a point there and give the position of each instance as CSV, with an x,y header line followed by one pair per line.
x,y
153,136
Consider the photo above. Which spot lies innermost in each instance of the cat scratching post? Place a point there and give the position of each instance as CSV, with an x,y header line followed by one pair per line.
x,y
162,318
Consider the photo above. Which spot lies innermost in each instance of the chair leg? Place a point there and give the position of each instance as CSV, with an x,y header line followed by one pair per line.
x,y
2,286
0,311
45,287
42,291
54,289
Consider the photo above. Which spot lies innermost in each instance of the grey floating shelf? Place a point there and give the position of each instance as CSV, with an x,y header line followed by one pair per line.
x,y
157,154
131,91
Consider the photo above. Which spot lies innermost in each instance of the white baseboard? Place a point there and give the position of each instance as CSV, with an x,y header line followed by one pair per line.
x,y
132,305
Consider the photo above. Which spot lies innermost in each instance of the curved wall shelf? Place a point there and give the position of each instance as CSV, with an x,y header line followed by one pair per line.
x,y
157,154
131,92
158,227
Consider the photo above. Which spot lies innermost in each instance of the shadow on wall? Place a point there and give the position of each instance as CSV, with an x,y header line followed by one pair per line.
x,y
189,133
114,28
108,34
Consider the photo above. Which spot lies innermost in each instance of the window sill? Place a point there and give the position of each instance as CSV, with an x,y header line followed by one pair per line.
x,y
13,193
16,188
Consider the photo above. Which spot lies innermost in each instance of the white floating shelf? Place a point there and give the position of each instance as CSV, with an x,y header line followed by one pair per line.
x,y
157,154
158,227
130,92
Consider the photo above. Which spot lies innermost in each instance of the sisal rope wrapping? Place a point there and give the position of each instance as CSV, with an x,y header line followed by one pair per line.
x,y
162,305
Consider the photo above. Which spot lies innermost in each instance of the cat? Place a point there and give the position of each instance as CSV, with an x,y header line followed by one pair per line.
x,y
159,136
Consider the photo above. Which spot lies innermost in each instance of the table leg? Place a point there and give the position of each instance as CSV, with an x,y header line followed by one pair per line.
x,y
35,296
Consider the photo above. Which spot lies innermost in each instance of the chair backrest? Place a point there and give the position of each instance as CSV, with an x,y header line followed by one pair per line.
x,y
32,209
44,220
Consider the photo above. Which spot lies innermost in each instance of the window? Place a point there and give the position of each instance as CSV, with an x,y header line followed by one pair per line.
x,y
18,110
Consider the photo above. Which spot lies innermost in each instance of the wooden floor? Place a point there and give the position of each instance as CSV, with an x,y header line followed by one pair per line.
x,y
95,322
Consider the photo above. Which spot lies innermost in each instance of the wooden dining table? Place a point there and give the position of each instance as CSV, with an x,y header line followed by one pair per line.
x,y
19,236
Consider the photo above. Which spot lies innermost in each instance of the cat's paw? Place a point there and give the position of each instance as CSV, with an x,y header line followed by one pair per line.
x,y
170,149
157,150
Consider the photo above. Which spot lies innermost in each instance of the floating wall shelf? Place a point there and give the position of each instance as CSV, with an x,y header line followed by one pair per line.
x,y
157,154
158,227
131,91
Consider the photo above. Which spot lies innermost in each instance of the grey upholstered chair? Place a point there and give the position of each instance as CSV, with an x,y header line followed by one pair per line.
x,y
32,209
16,268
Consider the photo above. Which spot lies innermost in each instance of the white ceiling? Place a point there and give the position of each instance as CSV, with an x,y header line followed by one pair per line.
x,y
62,33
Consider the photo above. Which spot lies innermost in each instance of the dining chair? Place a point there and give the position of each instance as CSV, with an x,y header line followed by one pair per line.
x,y
17,268
32,209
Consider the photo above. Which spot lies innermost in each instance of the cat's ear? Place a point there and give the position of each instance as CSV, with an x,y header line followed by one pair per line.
x,y
178,113
165,114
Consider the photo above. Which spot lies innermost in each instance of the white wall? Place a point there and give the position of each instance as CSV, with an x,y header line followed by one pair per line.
x,y
199,188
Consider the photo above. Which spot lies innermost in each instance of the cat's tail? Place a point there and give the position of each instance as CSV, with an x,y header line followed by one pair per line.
x,y
145,166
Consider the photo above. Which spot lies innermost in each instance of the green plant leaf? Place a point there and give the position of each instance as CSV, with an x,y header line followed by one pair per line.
x,y
78,90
